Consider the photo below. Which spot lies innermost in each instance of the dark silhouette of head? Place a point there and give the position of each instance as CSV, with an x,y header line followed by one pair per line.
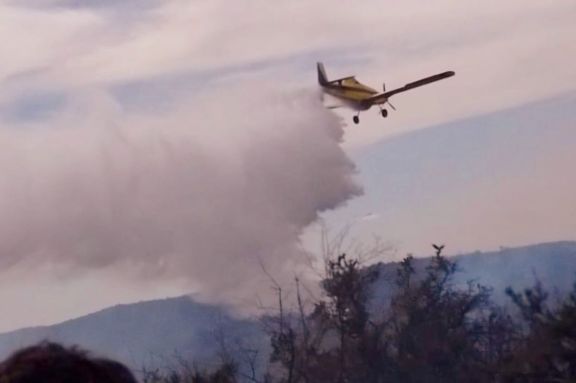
x,y
54,363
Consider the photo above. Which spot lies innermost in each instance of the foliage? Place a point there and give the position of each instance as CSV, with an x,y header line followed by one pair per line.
x,y
428,331
226,373
547,352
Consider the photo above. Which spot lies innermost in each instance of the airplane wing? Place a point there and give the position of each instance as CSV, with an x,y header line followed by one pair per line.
x,y
382,97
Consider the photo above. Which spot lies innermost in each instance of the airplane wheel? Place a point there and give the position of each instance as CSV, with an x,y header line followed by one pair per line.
x,y
384,113
356,119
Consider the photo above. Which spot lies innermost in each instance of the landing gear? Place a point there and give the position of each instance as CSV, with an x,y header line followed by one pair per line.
x,y
384,113
356,119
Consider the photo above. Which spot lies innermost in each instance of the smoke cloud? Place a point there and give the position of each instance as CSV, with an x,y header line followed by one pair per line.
x,y
202,192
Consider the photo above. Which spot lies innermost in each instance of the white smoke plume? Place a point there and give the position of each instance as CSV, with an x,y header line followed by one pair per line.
x,y
200,192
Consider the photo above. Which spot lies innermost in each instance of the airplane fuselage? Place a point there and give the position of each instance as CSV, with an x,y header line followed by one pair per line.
x,y
351,92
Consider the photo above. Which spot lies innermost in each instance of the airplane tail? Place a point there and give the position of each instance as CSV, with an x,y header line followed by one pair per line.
x,y
322,79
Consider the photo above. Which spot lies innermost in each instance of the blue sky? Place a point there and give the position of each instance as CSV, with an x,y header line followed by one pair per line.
x,y
95,94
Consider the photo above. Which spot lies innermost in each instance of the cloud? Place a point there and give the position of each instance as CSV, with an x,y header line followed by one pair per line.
x,y
90,4
501,52
203,193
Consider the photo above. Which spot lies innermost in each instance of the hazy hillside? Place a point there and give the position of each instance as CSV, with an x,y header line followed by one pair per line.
x,y
553,264
153,332
148,333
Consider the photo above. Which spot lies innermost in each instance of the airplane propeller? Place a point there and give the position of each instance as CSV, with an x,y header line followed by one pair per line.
x,y
387,101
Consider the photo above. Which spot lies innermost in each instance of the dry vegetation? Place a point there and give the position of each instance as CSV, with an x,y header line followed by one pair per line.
x,y
429,332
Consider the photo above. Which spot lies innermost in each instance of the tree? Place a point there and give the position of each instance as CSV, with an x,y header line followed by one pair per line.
x,y
429,331
547,352
436,330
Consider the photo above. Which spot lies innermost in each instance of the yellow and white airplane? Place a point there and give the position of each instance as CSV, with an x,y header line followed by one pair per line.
x,y
360,97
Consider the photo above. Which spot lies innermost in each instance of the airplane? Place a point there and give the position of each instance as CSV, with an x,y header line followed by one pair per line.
x,y
360,97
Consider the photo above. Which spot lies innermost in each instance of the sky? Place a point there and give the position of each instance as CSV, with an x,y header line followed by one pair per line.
x,y
125,125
